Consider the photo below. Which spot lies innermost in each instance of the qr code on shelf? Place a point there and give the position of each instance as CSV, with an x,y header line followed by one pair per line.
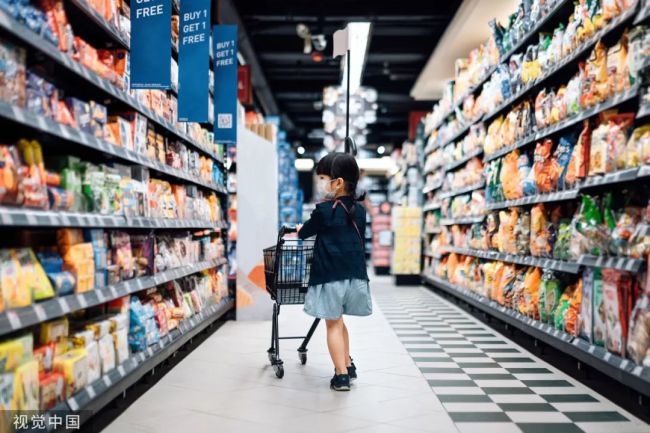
x,y
224,120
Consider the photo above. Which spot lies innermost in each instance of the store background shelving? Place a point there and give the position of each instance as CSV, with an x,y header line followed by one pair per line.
x,y
76,80
438,196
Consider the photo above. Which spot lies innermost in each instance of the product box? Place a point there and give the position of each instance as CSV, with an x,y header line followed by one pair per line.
x,y
138,130
107,353
94,364
11,354
81,112
74,367
51,390
27,386
53,331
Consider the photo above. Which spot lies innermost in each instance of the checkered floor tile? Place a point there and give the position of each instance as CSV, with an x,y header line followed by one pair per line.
x,y
488,383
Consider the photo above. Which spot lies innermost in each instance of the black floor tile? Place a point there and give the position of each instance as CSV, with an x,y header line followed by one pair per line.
x,y
432,359
595,416
490,376
500,350
462,398
458,417
569,398
507,390
440,370
478,365
466,355
547,383
451,382
526,407
425,350
513,359
549,428
529,370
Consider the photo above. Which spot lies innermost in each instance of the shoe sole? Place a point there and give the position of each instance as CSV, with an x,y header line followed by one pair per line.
x,y
340,388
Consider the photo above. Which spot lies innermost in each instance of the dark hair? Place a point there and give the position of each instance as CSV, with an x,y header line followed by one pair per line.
x,y
343,165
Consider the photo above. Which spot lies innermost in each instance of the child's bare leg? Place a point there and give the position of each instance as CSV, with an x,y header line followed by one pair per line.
x,y
346,339
336,344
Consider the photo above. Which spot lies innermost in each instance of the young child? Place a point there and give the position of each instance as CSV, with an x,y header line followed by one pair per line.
x,y
338,283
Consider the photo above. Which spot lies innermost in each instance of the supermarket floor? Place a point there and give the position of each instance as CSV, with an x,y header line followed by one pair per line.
x,y
424,365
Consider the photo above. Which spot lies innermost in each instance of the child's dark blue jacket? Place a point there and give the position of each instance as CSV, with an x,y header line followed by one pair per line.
x,y
338,252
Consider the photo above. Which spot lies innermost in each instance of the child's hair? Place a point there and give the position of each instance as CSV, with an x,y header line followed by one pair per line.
x,y
343,165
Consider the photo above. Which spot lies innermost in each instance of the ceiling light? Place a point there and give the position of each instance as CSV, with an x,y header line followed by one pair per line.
x,y
381,150
304,164
301,150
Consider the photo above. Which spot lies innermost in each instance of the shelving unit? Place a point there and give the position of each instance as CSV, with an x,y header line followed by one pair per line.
x,y
75,80
623,370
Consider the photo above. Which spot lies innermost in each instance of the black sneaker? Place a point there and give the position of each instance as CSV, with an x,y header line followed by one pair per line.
x,y
352,370
340,382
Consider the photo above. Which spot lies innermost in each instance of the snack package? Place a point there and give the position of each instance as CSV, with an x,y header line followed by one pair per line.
x,y
33,275
529,306
510,180
54,330
563,241
594,280
638,344
107,353
12,353
616,285
596,84
616,139
121,342
51,390
45,357
547,170
589,233
540,234
522,233
562,156
578,166
26,381
550,290
74,367
626,224
94,366
638,146
572,314
15,290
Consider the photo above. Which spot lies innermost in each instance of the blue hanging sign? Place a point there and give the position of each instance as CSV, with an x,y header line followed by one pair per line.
x,y
194,61
225,83
151,46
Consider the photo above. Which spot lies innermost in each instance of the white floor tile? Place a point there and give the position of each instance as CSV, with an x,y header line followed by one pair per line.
x,y
436,422
472,407
538,417
488,427
610,427
452,390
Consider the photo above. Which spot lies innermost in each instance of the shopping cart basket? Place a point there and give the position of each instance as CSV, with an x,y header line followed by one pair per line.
x,y
286,269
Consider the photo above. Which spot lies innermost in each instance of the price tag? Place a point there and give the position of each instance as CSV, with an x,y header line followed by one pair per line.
x,y
82,301
63,304
40,312
100,296
120,370
72,402
592,349
637,370
113,291
107,381
14,320
607,356
149,351
91,392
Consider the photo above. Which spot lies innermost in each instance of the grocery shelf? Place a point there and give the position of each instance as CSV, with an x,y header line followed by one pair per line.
x,y
642,230
432,255
644,12
532,33
584,48
615,177
19,318
533,199
73,135
431,206
101,23
41,45
459,134
435,186
573,267
26,217
98,394
621,263
464,190
462,161
556,265
462,220
432,231
623,370
571,121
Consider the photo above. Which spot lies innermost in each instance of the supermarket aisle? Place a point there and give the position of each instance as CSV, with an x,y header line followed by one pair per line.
x,y
424,365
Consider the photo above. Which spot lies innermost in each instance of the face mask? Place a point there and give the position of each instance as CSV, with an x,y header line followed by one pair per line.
x,y
321,188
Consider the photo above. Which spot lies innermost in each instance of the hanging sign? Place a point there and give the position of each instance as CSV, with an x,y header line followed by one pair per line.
x,y
151,46
244,89
225,83
194,61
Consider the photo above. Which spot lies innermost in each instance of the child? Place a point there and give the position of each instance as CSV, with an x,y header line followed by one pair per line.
x,y
338,283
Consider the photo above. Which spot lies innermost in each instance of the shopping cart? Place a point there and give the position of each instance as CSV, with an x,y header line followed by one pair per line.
x,y
286,268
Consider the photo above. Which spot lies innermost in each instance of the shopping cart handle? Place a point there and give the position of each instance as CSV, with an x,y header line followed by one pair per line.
x,y
285,230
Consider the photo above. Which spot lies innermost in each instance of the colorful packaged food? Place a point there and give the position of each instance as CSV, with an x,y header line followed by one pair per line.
x,y
540,235
550,290
26,379
578,167
638,344
74,367
616,285
51,390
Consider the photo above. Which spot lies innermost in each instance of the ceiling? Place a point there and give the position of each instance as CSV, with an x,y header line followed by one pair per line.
x,y
403,36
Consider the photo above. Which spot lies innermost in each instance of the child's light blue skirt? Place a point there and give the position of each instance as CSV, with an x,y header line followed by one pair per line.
x,y
330,301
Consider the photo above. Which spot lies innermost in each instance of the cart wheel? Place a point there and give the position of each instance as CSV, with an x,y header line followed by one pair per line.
x,y
279,371
303,357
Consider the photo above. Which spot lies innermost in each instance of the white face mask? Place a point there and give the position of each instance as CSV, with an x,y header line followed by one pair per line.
x,y
321,189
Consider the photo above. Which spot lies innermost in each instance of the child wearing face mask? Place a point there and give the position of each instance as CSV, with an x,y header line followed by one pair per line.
x,y
338,283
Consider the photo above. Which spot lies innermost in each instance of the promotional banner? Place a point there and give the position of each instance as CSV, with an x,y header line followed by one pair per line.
x,y
194,61
151,44
225,83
